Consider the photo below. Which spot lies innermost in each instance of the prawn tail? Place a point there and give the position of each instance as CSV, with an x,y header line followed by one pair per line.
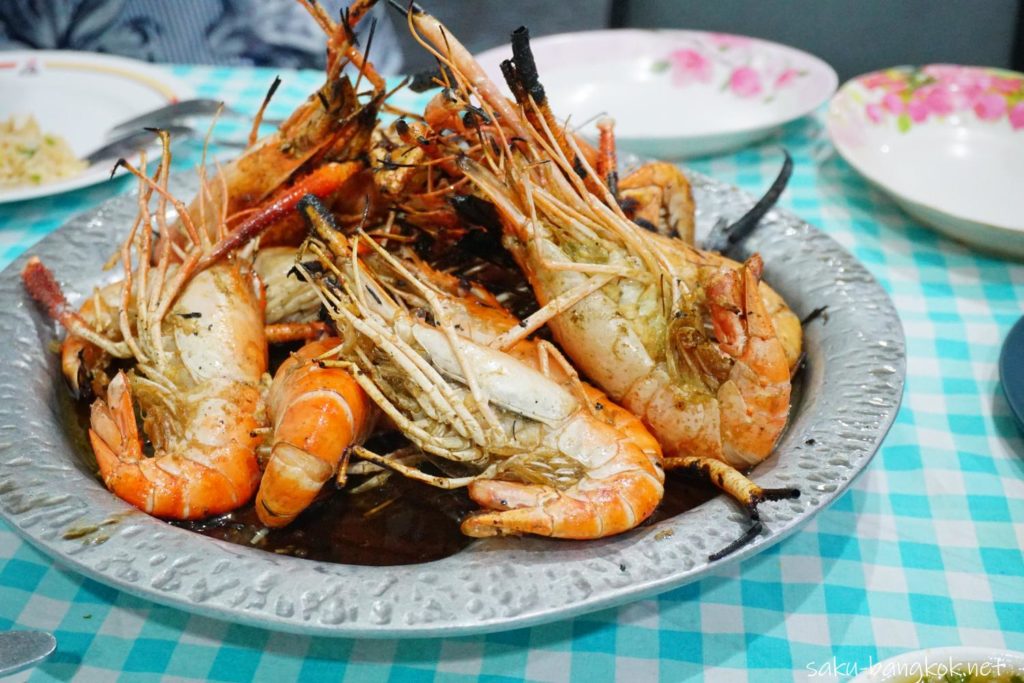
x,y
590,509
169,485
112,428
657,196
318,412
512,508
613,496
115,441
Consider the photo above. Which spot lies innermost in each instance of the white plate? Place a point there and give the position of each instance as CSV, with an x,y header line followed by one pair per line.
x,y
937,662
79,96
676,94
945,142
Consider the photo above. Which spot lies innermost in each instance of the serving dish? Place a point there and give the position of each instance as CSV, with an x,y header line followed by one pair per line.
x,y
983,663
945,142
676,94
79,96
852,386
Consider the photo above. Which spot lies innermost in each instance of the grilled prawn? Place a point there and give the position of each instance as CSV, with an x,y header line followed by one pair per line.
x,y
616,296
198,343
546,454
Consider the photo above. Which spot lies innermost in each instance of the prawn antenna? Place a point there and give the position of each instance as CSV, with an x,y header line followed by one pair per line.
x,y
725,239
258,119
366,52
120,163
346,25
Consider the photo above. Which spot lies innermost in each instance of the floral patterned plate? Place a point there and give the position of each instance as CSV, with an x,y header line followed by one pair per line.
x,y
676,94
946,142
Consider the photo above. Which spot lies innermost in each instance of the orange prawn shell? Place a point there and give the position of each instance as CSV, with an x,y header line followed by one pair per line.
x,y
317,413
174,487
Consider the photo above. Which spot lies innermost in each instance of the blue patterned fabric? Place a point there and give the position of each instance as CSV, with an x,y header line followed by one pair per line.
x,y
924,550
232,32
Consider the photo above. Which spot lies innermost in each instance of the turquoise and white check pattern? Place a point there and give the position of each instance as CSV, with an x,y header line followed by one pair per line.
x,y
923,551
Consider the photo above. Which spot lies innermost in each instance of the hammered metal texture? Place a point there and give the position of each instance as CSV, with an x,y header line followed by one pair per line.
x,y
853,383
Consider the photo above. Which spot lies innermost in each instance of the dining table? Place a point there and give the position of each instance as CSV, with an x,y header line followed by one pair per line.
x,y
923,550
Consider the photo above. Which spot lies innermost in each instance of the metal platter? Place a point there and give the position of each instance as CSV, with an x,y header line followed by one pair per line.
x,y
852,385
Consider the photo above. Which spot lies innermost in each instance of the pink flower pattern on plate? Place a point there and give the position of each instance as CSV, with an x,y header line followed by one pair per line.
x,y
914,95
893,103
727,59
786,77
937,100
917,110
745,82
1017,116
689,66
990,107
875,113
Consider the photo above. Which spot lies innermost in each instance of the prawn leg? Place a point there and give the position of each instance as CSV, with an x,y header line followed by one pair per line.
x,y
324,181
282,333
731,481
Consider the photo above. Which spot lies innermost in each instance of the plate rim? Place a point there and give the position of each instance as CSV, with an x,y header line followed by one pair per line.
x,y
93,175
577,567
484,56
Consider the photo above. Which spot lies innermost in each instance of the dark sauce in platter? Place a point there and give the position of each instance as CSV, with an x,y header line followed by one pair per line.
x,y
401,522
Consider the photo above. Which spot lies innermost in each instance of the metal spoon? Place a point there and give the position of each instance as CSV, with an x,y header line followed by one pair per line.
x,y
21,649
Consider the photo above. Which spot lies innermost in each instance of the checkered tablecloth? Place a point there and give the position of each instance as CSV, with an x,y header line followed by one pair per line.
x,y
924,550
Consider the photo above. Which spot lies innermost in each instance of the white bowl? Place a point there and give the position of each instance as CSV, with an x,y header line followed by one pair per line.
x,y
946,143
939,661
675,94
